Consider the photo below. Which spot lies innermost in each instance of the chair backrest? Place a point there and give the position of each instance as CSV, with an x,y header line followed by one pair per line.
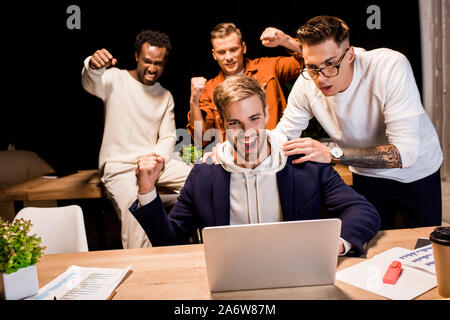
x,y
60,228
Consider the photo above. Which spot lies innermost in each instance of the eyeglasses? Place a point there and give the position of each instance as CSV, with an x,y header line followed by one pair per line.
x,y
328,71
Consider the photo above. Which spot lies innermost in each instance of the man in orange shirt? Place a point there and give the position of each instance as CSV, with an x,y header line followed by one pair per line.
x,y
229,50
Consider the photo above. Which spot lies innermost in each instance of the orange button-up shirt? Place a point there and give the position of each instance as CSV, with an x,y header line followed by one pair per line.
x,y
271,72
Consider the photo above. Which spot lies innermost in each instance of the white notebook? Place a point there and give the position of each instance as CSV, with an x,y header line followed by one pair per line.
x,y
368,275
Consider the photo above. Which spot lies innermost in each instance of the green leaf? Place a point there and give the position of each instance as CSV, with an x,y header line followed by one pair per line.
x,y
17,248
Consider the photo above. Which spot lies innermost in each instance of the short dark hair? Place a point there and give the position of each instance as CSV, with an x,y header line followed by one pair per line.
x,y
155,38
321,28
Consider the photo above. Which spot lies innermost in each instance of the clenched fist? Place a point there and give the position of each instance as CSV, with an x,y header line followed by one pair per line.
x,y
197,86
148,171
102,59
272,37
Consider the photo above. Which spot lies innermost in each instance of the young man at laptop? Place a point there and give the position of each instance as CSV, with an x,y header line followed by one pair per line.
x,y
254,183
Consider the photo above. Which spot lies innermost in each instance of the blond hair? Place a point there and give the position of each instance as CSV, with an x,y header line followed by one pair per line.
x,y
223,30
237,88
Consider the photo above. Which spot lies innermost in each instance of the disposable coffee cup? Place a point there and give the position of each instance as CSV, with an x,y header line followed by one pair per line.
x,y
440,239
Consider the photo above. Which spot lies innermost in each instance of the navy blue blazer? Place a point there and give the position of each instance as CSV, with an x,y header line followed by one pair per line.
x,y
304,189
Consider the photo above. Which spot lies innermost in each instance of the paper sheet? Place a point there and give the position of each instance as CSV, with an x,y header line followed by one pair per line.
x,y
78,283
421,258
368,275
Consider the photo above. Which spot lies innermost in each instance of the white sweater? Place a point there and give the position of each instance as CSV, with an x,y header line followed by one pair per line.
x,y
381,106
139,119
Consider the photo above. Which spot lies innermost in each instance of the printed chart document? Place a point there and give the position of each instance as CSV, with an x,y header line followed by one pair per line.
x,y
421,258
416,278
79,283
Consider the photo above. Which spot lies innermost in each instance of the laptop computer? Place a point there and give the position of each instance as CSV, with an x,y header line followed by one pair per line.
x,y
271,255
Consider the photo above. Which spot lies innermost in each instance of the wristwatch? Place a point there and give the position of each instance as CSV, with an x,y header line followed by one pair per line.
x,y
336,153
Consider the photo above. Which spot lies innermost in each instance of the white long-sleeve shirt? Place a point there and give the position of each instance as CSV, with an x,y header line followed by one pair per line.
x,y
139,119
381,106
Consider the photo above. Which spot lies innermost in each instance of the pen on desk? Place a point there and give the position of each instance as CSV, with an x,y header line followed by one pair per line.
x,y
111,296
56,297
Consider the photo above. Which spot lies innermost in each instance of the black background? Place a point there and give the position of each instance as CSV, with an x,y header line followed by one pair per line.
x,y
46,110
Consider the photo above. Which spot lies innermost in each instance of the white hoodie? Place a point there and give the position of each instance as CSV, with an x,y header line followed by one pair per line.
x,y
254,196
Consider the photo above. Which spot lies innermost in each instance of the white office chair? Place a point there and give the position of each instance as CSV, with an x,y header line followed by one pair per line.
x,y
60,228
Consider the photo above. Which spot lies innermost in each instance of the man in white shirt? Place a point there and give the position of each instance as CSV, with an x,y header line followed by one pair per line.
x,y
254,183
369,104
139,120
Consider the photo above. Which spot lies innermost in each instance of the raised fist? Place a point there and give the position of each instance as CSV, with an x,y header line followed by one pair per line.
x,y
197,86
272,37
148,171
101,59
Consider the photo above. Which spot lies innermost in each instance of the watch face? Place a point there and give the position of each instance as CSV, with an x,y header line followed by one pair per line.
x,y
336,152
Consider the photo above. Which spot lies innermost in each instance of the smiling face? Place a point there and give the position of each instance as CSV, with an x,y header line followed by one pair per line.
x,y
229,53
245,122
150,63
328,53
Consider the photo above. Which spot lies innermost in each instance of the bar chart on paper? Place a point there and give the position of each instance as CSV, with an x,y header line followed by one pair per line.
x,y
78,283
90,287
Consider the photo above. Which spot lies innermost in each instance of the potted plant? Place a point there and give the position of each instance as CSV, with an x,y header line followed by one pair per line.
x,y
191,154
19,253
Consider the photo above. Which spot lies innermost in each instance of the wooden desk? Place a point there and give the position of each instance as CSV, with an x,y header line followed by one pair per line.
x,y
84,184
179,272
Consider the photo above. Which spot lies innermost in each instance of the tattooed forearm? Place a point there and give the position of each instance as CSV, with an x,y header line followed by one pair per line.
x,y
386,156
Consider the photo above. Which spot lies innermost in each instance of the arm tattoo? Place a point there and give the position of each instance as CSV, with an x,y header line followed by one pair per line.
x,y
380,157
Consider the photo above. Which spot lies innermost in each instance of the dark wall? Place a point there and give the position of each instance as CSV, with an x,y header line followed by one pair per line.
x,y
45,108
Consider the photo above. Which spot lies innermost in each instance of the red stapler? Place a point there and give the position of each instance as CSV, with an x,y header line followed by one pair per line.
x,y
393,273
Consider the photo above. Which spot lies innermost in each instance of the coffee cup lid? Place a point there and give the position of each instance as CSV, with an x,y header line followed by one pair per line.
x,y
441,235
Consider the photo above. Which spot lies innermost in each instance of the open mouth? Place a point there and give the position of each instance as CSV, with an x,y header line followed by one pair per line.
x,y
325,89
248,143
230,65
150,76
249,148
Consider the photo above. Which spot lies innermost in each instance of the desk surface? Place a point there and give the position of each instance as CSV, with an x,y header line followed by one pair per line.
x,y
179,272
84,184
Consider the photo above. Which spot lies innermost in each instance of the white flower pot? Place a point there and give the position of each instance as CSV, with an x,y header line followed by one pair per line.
x,y
20,284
